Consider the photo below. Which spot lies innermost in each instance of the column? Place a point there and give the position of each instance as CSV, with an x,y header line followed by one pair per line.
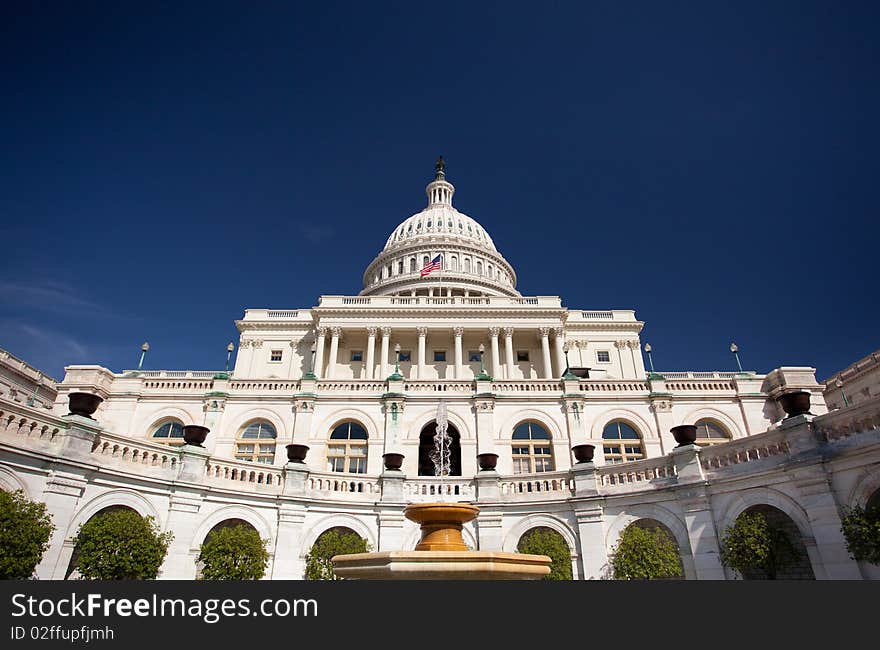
x,y
334,349
508,351
591,537
701,533
383,362
459,370
620,345
371,345
319,352
496,359
422,332
544,333
558,343
633,346
287,564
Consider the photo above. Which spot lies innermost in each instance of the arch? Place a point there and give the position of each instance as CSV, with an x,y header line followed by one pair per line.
x,y
670,521
622,442
244,513
542,418
336,521
251,415
119,497
520,528
803,566
426,446
703,413
632,418
10,482
867,485
745,499
347,448
325,426
148,422
419,423
532,448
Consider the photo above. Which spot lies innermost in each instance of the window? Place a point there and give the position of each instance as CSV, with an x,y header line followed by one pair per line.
x,y
412,265
522,355
405,355
479,268
388,271
710,432
170,433
256,443
439,356
347,449
357,355
424,261
603,356
467,265
621,443
531,449
454,263
275,355
473,356
400,267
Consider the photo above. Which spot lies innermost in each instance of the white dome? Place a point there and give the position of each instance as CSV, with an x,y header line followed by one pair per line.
x,y
440,219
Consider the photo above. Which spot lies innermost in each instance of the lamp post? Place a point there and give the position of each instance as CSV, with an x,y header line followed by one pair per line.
x,y
735,349
312,349
483,376
397,358
648,350
144,348
229,349
839,384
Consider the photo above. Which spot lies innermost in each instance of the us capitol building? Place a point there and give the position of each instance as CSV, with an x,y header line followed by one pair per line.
x,y
357,381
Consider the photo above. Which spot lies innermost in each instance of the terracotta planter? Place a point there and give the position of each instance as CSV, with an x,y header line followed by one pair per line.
x,y
297,453
393,461
195,434
795,403
84,404
583,453
487,462
684,434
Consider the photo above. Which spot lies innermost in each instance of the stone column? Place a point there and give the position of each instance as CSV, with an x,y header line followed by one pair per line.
x,y
620,345
334,349
591,536
319,352
508,351
61,496
383,362
303,409
422,332
496,358
544,333
558,343
459,370
288,561
183,520
633,346
371,347
701,532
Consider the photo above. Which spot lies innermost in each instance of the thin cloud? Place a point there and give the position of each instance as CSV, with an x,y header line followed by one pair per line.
x,y
51,295
60,343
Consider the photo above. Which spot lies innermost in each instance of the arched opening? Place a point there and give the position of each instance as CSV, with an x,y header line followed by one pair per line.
x,y
226,523
542,540
339,540
168,431
621,443
347,448
71,573
426,446
531,449
710,432
647,557
798,569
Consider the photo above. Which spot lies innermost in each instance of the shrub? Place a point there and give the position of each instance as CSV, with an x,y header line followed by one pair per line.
x,y
754,544
234,553
120,545
336,541
861,529
645,554
25,528
546,541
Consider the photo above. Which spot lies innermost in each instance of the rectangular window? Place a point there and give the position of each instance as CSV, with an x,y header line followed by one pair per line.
x,y
473,356
439,356
357,355
603,356
522,355
405,356
275,355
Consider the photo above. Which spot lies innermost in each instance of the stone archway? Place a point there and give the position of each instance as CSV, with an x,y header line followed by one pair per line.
x,y
802,569
426,446
71,566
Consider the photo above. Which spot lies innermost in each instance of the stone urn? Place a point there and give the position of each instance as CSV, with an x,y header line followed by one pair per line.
x,y
84,404
795,403
684,434
487,461
441,524
195,434
393,461
297,453
583,453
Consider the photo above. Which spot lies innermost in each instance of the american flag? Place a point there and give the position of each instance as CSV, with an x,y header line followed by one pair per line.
x,y
433,265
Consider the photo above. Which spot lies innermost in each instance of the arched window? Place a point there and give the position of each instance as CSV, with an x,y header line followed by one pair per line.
x,y
479,268
424,261
621,443
412,265
347,450
710,432
426,450
400,267
454,263
531,449
256,443
467,265
169,432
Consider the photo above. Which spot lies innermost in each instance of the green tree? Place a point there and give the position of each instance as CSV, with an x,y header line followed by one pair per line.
x,y
120,545
234,553
336,541
25,528
546,541
645,554
752,544
861,529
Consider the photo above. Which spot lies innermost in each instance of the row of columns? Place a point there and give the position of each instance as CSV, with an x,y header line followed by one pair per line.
x,y
499,371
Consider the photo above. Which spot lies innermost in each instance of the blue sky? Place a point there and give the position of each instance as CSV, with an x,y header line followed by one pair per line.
x,y
711,165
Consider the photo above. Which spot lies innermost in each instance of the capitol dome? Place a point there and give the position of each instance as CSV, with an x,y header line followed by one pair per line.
x,y
470,263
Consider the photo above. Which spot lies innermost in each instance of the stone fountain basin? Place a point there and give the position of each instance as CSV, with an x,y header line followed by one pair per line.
x,y
441,565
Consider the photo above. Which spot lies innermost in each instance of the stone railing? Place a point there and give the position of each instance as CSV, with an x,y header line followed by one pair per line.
x,y
637,474
527,386
178,385
264,385
451,488
276,314
35,424
842,423
439,386
545,485
345,486
552,302
242,473
173,374
697,375
700,386
126,453
613,386
744,450
350,386
614,315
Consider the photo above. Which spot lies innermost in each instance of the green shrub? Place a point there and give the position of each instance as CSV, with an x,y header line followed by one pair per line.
x,y
25,528
546,541
861,529
234,553
754,544
120,545
336,541
645,554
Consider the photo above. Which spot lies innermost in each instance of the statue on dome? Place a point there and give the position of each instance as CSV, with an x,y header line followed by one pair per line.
x,y
440,168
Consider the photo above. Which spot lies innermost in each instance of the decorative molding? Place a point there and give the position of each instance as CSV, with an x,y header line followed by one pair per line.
x,y
558,332
543,333
508,332
493,332
386,332
371,331
257,343
458,331
661,406
422,331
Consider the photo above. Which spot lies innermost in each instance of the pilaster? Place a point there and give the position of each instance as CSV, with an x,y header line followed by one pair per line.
x,y
702,535
61,495
591,537
288,563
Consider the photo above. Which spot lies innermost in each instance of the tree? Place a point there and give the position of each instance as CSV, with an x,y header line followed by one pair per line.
x,y
120,545
546,541
234,553
336,541
752,543
645,554
25,528
861,529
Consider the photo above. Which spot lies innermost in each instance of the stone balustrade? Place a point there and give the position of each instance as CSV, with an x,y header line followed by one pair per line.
x,y
439,386
745,450
842,423
450,488
126,453
240,473
636,475
23,421
546,485
343,486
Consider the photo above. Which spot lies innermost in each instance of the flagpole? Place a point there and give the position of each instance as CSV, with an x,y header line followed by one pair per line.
x,y
441,274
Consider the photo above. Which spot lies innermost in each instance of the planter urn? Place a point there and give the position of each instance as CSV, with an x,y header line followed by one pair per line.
x,y
684,434
297,453
393,461
583,453
195,434
84,404
795,403
487,461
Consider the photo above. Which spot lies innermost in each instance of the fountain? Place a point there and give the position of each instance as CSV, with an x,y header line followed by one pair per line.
x,y
441,553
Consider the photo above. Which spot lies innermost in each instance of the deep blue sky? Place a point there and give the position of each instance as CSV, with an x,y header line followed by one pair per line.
x,y
712,165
